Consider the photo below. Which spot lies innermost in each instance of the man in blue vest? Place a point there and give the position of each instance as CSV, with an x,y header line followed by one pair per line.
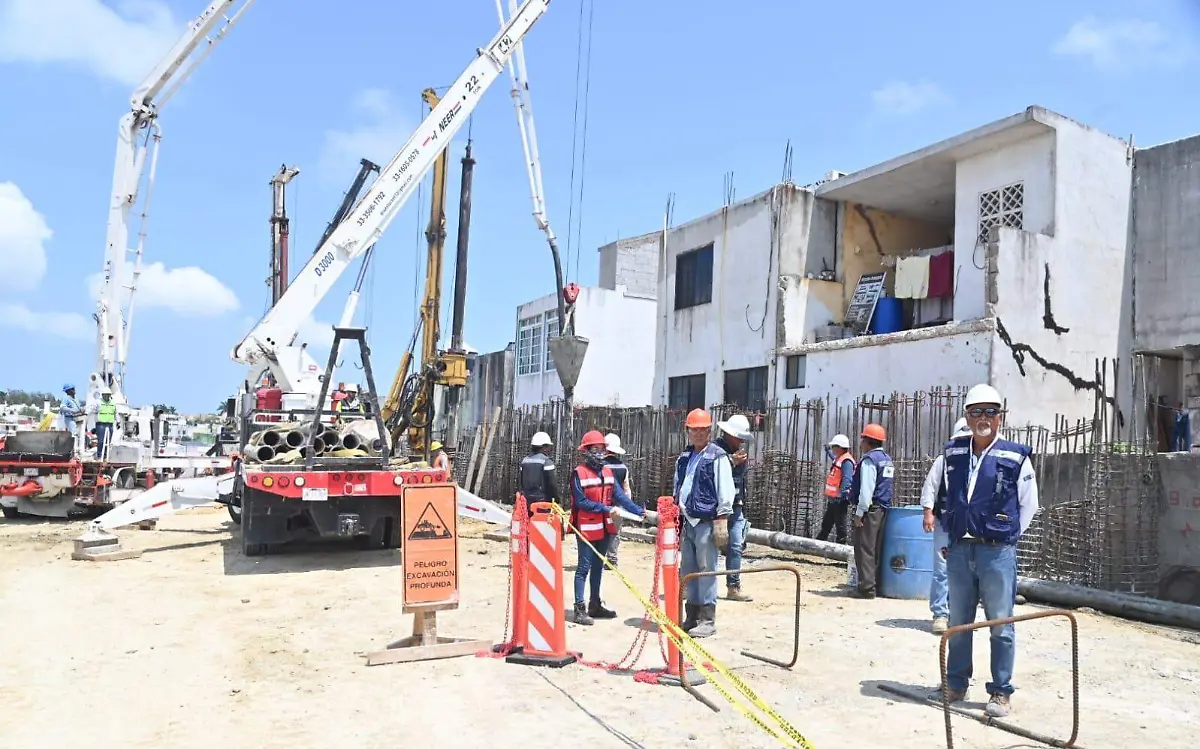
x,y
871,491
734,434
704,491
933,501
991,498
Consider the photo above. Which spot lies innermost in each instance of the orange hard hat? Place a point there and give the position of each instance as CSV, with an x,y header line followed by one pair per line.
x,y
875,432
591,439
698,418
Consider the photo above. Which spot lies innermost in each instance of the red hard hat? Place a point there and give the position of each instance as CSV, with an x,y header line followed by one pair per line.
x,y
591,439
698,418
875,432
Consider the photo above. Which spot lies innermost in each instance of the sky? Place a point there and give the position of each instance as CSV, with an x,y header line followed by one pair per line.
x,y
633,102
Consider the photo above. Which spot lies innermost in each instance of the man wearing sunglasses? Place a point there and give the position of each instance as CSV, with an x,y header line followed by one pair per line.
x,y
991,498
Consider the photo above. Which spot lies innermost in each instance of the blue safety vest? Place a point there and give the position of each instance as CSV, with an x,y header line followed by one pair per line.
x,y
702,502
885,473
994,511
739,475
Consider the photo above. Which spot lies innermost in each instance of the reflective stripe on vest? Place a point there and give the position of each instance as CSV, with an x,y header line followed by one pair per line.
x,y
598,488
833,482
106,413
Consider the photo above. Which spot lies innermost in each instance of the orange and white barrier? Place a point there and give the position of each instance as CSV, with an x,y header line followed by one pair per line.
x,y
545,635
519,555
668,544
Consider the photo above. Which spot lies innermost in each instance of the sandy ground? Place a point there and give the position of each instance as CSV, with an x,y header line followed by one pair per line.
x,y
193,645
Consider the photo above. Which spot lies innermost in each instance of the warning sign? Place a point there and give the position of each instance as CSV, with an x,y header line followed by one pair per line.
x,y
429,518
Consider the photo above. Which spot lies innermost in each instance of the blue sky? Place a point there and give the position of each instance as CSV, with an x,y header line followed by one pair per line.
x,y
680,92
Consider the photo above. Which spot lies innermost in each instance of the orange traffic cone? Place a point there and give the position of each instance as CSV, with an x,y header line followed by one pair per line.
x,y
545,640
668,546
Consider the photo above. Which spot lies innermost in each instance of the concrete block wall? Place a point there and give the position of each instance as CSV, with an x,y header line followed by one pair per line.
x,y
632,263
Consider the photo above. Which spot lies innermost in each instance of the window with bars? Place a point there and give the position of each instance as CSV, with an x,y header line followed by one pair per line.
x,y
685,393
529,345
1003,207
551,332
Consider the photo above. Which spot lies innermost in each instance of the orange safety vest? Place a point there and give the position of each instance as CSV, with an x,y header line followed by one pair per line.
x,y
597,487
833,482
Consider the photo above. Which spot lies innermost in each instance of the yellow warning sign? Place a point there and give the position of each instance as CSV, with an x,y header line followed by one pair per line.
x,y
429,519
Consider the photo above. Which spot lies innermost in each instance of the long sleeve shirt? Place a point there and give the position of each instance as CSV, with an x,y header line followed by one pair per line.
x,y
621,499
1027,488
847,479
726,490
866,487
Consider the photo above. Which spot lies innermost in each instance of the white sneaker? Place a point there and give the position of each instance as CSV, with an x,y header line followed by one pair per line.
x,y
940,625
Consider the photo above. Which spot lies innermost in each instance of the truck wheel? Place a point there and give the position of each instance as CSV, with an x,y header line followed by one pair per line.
x,y
235,514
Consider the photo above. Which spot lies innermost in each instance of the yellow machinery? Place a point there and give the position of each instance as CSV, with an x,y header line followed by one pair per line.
x,y
409,405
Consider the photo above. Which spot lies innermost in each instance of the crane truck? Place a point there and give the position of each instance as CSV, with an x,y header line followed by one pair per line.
x,y
280,503
49,473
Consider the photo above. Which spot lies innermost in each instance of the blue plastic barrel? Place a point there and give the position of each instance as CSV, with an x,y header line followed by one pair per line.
x,y
906,567
889,315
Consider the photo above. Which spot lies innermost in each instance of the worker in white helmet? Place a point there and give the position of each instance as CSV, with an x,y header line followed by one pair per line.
x,y
614,458
537,471
837,488
991,498
933,500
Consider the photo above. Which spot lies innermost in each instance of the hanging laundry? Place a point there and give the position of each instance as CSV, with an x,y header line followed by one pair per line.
x,y
912,278
941,275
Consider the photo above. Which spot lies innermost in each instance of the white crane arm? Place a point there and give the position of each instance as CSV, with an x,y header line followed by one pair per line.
x,y
375,211
138,135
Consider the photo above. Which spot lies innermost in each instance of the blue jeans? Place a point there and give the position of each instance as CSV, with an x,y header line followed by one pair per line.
x,y
103,435
589,565
988,573
699,555
738,528
939,590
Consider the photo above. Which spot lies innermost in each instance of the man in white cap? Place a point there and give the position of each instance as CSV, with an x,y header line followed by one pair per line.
x,y
734,434
837,488
613,453
537,471
933,500
991,498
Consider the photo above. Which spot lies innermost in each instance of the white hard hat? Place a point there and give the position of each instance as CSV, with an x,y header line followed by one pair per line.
x,y
961,429
982,394
737,426
106,390
840,440
612,443
352,388
541,439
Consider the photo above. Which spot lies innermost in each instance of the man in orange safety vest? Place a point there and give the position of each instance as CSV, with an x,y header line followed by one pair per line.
x,y
837,489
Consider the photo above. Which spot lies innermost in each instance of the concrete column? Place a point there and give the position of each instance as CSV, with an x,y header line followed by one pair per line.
x,y
1191,386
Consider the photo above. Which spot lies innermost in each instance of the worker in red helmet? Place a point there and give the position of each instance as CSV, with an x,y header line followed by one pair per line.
x,y
705,492
595,498
871,493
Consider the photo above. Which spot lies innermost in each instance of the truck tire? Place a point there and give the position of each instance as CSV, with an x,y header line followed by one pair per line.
x,y
235,513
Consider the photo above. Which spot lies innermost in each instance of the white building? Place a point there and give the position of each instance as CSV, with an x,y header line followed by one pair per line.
x,y
618,369
1034,209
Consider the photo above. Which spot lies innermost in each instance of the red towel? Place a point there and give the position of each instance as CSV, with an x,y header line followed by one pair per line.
x,y
941,275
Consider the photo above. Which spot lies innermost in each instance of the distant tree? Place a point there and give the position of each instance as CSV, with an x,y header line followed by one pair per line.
x,y
30,412
28,398
163,408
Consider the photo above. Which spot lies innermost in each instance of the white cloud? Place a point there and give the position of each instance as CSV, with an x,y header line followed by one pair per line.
x,y
903,98
23,237
1122,44
381,132
318,335
58,324
187,291
121,44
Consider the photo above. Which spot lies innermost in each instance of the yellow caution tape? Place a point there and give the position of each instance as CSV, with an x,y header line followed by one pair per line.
x,y
785,732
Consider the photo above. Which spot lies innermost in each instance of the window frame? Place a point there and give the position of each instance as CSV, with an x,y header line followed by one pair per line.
x,y
694,269
798,374
693,383
755,400
530,344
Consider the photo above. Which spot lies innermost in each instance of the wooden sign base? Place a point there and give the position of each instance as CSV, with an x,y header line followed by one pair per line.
x,y
425,645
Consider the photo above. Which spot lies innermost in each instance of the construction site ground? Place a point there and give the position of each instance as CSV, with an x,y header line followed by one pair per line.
x,y
194,645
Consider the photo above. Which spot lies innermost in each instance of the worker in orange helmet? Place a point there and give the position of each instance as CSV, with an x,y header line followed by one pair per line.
x,y
704,491
595,498
871,491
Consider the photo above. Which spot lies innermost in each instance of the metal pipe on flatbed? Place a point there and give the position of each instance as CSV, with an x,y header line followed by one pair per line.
x,y
264,453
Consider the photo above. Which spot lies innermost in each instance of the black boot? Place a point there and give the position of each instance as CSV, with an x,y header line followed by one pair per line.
x,y
691,617
581,615
596,610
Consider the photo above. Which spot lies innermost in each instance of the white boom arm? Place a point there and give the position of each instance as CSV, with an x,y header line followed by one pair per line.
x,y
137,134
270,342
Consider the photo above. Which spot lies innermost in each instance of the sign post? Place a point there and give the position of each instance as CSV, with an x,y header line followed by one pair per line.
x,y
429,550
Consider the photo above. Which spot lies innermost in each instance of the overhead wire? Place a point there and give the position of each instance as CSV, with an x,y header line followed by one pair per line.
x,y
587,87
574,134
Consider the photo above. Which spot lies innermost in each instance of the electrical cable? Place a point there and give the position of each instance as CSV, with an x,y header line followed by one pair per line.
x,y
587,87
574,134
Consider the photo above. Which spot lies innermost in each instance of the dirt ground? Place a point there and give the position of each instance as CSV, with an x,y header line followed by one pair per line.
x,y
194,645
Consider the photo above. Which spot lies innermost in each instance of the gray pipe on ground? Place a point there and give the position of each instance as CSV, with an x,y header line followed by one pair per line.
x,y
1058,594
